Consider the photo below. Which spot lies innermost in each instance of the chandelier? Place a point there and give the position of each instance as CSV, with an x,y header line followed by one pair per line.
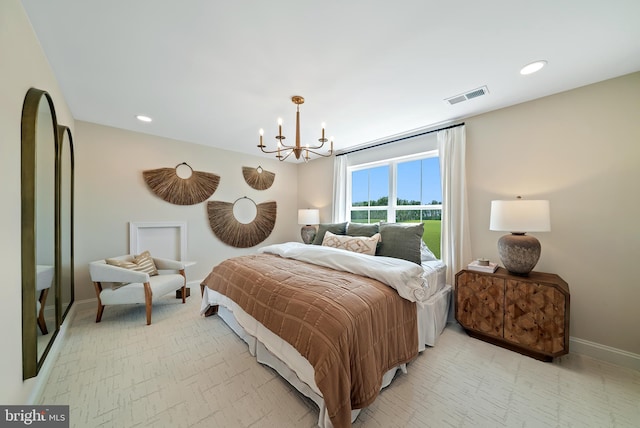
x,y
283,151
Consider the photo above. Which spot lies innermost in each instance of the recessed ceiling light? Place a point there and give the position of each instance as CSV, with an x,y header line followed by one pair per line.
x,y
533,67
142,118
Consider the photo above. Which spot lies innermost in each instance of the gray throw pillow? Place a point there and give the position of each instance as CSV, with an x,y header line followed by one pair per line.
x,y
362,229
335,228
401,240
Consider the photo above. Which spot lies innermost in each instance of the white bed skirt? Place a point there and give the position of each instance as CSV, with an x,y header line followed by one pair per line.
x,y
271,350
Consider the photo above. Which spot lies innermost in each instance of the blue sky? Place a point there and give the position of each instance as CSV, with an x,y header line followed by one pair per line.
x,y
417,180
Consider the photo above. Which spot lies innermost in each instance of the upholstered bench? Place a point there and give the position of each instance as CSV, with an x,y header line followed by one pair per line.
x,y
133,281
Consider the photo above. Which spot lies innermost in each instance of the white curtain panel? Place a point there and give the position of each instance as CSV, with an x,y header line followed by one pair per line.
x,y
456,238
339,214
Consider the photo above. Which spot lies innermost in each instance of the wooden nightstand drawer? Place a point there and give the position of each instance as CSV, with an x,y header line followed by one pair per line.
x,y
528,314
481,303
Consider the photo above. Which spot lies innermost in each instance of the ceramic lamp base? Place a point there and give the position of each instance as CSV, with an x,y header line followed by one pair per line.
x,y
308,233
519,253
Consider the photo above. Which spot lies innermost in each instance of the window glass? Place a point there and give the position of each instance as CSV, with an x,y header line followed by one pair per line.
x,y
360,188
431,192
419,182
412,184
377,216
370,187
409,183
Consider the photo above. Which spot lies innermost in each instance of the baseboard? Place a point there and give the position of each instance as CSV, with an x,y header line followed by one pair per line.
x,y
604,353
82,305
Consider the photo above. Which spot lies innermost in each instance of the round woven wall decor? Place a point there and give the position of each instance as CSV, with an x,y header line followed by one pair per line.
x,y
168,185
258,178
226,226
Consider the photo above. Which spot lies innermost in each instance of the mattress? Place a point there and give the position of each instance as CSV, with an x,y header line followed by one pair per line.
x,y
271,350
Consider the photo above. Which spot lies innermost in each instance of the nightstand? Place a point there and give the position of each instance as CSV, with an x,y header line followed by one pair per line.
x,y
526,314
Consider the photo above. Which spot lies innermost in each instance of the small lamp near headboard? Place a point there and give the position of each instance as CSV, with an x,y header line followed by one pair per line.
x,y
309,218
519,252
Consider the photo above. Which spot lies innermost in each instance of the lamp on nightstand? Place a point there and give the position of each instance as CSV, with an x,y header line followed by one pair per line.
x,y
519,252
308,217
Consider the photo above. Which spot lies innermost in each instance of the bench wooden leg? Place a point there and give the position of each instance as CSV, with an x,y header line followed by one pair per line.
x,y
148,299
99,314
41,322
98,287
184,286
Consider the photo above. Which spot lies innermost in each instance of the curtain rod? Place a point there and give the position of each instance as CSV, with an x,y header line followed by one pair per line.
x,y
399,139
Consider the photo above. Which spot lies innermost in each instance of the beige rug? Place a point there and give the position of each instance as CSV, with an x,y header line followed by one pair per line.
x,y
187,371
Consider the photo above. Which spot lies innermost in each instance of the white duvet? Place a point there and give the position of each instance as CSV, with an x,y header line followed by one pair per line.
x,y
413,282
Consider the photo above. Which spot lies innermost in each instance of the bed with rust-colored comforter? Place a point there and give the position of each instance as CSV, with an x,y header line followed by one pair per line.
x,y
351,328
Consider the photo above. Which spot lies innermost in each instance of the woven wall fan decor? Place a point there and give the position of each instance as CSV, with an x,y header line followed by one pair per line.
x,y
231,231
168,185
258,178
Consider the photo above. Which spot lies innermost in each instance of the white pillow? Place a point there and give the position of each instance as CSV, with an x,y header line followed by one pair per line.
x,y
356,244
425,253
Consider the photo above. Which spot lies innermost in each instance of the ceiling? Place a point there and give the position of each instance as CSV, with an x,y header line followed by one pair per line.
x,y
214,72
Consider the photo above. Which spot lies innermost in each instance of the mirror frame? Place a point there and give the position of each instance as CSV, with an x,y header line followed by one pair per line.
x,y
30,362
62,130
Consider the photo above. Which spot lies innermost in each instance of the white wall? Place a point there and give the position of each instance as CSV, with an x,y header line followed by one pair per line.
x,y
581,150
315,181
22,65
111,192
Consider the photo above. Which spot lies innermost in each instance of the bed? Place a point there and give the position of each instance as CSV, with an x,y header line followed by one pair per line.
x,y
287,302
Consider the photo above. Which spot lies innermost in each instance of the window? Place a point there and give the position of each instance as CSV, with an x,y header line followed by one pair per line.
x,y
400,190
370,194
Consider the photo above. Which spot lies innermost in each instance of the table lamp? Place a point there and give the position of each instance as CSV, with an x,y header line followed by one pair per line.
x,y
519,252
308,217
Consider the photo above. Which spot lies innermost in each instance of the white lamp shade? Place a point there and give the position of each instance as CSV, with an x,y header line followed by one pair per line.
x,y
520,216
308,216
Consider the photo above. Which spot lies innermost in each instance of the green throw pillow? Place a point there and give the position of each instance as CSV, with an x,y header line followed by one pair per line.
x,y
401,240
335,228
362,229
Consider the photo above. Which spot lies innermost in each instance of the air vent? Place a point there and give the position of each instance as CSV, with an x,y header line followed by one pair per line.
x,y
475,93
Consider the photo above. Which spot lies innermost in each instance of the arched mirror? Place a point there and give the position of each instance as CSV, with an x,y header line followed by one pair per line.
x,y
38,183
64,228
